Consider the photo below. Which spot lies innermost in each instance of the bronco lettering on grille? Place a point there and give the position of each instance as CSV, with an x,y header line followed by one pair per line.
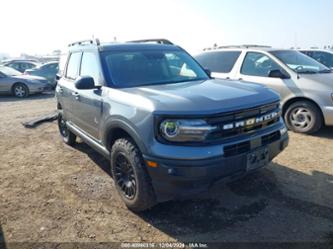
x,y
251,121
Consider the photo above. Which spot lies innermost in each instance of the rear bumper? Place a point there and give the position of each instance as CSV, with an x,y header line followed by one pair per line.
x,y
178,179
328,115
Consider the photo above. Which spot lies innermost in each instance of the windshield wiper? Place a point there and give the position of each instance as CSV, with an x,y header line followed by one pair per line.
x,y
325,71
307,72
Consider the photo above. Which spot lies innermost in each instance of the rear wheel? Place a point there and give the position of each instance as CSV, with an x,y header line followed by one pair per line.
x,y
20,90
67,136
303,117
131,180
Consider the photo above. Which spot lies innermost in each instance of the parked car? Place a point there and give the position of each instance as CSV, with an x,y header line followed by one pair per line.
x,y
20,65
13,82
48,70
324,56
169,130
304,84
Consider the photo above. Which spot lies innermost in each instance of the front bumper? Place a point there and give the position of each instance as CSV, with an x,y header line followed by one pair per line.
x,y
178,179
39,89
328,115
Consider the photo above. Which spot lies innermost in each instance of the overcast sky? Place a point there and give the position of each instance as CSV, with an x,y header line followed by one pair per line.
x,y
38,26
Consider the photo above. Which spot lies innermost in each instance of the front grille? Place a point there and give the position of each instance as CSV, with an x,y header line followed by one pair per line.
x,y
245,147
223,120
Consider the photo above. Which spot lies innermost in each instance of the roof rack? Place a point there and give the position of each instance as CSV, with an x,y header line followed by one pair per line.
x,y
85,42
159,41
238,46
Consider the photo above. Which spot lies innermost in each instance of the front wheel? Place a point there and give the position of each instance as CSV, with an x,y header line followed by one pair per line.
x,y
67,136
303,117
20,90
131,180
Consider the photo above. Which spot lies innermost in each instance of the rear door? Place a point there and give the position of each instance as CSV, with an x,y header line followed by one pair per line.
x,y
87,104
66,88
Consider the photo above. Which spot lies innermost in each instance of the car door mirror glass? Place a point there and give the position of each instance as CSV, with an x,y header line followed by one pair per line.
x,y
85,83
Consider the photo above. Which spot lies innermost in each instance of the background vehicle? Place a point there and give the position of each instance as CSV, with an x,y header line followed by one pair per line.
x,y
13,82
168,129
20,65
304,84
321,55
48,70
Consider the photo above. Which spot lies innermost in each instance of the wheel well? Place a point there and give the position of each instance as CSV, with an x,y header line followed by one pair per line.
x,y
293,100
115,134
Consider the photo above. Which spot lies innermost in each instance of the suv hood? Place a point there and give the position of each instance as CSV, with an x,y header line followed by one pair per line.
x,y
205,97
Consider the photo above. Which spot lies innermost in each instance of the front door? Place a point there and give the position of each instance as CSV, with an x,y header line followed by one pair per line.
x,y
87,104
256,68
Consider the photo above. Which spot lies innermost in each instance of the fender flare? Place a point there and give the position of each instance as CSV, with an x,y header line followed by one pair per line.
x,y
125,125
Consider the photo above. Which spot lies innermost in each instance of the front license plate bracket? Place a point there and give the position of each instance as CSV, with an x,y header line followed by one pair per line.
x,y
257,158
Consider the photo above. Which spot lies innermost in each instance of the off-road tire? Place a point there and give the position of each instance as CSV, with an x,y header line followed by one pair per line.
x,y
67,136
144,197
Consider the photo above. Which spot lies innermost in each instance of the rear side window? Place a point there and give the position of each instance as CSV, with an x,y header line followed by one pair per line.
x,y
73,66
219,61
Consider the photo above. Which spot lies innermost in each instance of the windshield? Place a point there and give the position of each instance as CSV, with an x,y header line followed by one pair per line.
x,y
9,71
149,67
299,62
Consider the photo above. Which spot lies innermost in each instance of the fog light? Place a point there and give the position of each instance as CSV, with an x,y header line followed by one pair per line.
x,y
283,131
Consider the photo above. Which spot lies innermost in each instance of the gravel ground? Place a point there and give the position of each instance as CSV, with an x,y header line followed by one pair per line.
x,y
50,192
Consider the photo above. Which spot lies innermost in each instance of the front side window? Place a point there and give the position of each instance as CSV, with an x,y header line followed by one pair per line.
x,y
219,61
298,62
73,66
150,67
258,64
89,66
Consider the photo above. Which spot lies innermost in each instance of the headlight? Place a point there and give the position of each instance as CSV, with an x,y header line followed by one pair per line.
x,y
182,130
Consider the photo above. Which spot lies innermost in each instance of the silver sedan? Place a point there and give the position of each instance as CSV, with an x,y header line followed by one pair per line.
x,y
19,85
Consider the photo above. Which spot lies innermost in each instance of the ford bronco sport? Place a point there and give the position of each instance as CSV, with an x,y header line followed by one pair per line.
x,y
169,130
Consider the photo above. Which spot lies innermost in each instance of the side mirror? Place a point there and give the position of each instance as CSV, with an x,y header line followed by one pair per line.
x,y
85,83
277,73
58,76
208,72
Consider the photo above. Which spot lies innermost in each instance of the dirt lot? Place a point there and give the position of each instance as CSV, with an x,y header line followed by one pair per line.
x,y
52,192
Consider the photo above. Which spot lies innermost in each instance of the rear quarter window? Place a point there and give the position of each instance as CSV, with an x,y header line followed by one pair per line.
x,y
219,61
62,64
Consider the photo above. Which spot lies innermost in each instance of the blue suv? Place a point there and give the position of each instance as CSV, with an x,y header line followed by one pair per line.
x,y
169,130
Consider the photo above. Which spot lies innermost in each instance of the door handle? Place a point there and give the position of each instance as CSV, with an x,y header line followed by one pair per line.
x,y
76,95
240,79
61,90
